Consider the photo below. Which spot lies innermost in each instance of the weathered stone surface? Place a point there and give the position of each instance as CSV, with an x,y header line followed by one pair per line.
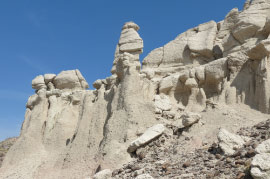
x,y
228,142
260,50
144,176
104,174
71,79
189,119
162,102
97,84
212,70
250,21
203,41
261,166
49,78
154,58
130,41
191,83
148,135
38,83
264,147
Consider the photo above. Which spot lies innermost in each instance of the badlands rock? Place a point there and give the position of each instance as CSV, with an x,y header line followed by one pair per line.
x,y
38,83
251,21
72,132
144,176
49,78
66,114
130,40
260,50
228,142
203,41
162,103
148,135
189,119
104,174
97,84
264,147
70,80
261,166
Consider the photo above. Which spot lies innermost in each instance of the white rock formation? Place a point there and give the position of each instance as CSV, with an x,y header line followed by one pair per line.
x,y
162,103
264,147
104,174
147,136
38,83
261,166
228,142
188,119
70,131
70,80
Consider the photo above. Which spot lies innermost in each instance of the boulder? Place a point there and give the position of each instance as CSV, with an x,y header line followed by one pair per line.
x,y
188,119
168,83
203,41
260,166
264,147
228,142
71,79
251,21
103,174
97,84
39,83
149,135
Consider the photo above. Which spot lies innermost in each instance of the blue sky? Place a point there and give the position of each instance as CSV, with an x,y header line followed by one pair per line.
x,y
38,36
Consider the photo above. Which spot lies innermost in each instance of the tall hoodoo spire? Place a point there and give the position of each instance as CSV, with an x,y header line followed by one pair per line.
x,y
128,49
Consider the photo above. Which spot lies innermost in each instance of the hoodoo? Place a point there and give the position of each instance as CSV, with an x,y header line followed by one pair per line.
x,y
160,119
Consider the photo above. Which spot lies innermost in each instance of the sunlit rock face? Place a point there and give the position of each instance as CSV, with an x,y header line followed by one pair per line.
x,y
72,132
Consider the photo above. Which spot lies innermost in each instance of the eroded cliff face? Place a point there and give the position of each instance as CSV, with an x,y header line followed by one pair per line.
x,y
72,132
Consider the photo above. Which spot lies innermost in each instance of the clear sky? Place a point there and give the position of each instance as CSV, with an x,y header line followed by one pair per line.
x,y
38,37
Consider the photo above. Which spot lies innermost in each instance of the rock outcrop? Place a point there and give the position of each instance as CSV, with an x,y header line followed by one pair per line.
x,y
187,89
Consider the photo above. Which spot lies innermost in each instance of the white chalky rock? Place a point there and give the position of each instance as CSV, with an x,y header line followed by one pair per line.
x,y
188,119
103,174
203,41
229,141
264,147
38,83
149,135
130,40
260,166
191,83
71,79
163,102
49,78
